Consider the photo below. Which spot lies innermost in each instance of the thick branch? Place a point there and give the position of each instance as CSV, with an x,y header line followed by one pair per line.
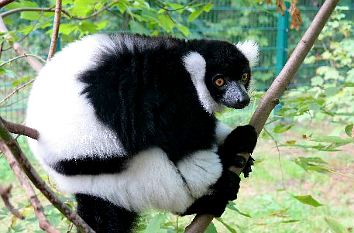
x,y
32,61
271,98
37,206
9,146
5,196
56,24
5,2
20,129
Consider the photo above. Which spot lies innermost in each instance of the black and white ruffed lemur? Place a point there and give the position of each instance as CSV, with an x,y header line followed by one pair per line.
x,y
126,124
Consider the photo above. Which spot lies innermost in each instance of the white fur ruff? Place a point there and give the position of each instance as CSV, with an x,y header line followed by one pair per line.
x,y
195,64
251,51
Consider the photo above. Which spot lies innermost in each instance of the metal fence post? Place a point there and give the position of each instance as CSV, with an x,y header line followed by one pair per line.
x,y
282,39
281,45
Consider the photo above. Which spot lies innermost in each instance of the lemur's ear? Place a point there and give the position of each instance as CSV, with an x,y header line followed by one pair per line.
x,y
250,49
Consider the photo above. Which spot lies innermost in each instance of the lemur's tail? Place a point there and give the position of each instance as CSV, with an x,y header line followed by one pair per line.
x,y
103,216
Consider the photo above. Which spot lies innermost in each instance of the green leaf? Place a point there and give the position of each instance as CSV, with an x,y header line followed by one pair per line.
x,y
155,223
312,164
166,22
349,130
335,226
30,15
308,200
333,139
232,206
68,28
211,228
195,14
232,230
185,31
281,128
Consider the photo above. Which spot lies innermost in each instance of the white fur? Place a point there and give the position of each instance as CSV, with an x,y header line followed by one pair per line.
x,y
250,50
221,132
200,170
195,64
65,120
150,181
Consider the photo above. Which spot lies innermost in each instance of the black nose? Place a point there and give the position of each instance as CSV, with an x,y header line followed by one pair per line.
x,y
243,101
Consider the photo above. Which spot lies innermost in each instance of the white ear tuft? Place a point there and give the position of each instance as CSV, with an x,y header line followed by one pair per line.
x,y
250,49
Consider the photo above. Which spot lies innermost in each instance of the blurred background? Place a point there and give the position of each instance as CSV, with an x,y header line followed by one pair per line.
x,y
303,180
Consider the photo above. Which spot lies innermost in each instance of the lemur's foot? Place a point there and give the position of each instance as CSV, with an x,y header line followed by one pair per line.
x,y
214,203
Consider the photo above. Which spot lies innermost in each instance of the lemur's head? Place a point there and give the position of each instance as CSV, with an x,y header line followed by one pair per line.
x,y
221,72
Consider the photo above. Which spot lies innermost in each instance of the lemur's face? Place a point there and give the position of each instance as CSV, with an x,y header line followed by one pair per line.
x,y
221,72
228,75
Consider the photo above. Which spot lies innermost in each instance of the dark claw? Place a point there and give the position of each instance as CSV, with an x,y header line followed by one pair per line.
x,y
248,168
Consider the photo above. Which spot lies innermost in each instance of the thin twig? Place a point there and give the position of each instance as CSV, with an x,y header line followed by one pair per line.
x,y
56,25
10,147
22,56
270,99
37,206
33,62
5,196
17,89
51,9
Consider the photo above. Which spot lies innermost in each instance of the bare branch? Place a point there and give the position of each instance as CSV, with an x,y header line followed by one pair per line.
x,y
56,25
51,9
10,147
37,206
5,196
32,61
22,56
271,98
20,129
5,2
22,9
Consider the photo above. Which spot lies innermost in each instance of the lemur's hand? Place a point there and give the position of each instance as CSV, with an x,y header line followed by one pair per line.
x,y
223,191
243,139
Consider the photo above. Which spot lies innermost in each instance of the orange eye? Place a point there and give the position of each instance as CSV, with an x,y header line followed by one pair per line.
x,y
219,82
244,78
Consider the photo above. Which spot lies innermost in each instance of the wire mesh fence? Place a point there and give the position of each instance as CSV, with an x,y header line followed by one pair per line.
x,y
233,21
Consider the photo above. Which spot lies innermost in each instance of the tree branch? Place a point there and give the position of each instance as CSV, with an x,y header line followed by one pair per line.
x,y
32,61
37,206
56,25
20,129
22,56
50,9
17,89
271,98
10,147
5,196
5,2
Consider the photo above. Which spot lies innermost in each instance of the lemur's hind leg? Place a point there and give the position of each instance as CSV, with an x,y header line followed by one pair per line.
x,y
103,216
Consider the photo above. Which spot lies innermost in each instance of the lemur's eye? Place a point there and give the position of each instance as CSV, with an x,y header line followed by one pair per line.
x,y
244,78
219,80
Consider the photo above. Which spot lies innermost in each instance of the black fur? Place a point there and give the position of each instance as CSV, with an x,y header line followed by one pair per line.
x,y
223,191
91,165
103,216
148,98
